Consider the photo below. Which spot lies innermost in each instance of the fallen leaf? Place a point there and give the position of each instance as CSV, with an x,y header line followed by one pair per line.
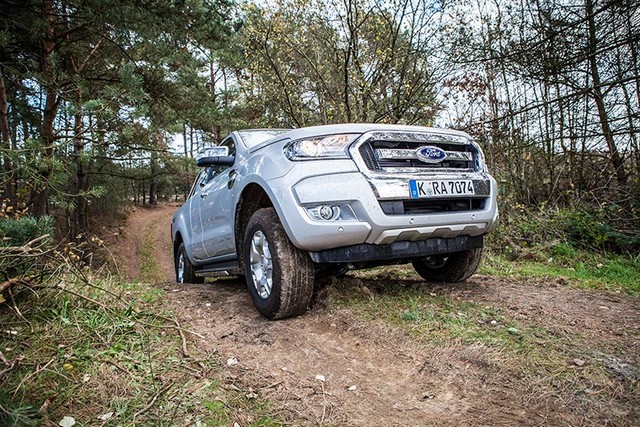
x,y
105,417
67,422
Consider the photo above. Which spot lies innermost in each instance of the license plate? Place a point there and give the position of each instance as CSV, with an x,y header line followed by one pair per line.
x,y
441,188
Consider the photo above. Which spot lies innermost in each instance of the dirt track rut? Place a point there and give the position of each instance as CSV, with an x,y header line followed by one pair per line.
x,y
375,375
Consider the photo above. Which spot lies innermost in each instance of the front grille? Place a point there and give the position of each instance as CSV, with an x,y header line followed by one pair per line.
x,y
421,206
368,157
382,155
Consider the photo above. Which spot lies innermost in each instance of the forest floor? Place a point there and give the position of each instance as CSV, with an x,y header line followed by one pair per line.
x,y
384,348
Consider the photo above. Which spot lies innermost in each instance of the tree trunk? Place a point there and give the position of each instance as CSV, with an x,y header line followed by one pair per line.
x,y
52,102
212,75
152,193
184,137
191,142
48,139
5,144
615,158
80,213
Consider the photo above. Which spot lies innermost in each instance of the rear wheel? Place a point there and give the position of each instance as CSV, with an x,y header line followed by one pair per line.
x,y
449,268
280,277
185,273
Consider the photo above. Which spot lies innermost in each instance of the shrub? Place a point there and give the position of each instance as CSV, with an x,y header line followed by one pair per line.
x,y
596,229
15,233
602,229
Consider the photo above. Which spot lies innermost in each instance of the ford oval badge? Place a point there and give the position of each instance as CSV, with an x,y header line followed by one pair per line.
x,y
430,154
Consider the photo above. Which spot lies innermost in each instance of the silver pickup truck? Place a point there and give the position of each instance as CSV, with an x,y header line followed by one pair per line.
x,y
282,206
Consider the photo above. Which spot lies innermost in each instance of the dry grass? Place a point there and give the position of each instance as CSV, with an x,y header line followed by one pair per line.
x,y
91,355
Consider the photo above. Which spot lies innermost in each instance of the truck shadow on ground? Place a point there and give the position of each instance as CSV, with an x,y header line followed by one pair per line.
x,y
329,289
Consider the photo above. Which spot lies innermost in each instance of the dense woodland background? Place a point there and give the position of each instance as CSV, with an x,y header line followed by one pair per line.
x,y
104,103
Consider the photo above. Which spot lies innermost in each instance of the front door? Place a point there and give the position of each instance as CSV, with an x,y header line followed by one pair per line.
x,y
218,211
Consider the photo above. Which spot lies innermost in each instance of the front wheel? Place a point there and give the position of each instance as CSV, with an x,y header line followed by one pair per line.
x,y
280,277
449,268
185,273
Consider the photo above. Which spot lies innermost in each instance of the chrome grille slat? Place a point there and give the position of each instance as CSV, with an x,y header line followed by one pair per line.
x,y
399,155
409,154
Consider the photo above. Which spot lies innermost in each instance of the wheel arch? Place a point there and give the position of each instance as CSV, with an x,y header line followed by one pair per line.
x,y
177,240
252,198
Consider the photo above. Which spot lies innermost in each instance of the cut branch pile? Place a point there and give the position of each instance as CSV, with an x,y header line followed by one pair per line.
x,y
19,263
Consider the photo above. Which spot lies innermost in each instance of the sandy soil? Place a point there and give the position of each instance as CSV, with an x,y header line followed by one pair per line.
x,y
375,375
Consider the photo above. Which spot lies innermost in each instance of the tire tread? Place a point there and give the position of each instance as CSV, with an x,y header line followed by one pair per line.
x,y
293,270
459,267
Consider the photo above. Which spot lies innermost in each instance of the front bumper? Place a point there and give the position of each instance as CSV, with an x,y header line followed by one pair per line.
x,y
372,226
397,250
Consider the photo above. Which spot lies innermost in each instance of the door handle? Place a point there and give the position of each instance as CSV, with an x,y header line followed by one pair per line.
x,y
203,195
232,179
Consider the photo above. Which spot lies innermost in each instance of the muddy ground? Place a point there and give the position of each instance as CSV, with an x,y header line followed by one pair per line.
x,y
376,375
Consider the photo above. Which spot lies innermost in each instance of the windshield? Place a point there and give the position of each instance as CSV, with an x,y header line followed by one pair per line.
x,y
253,137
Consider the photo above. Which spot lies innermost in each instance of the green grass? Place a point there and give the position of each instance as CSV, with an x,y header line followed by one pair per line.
x,y
437,318
540,355
117,356
149,269
582,269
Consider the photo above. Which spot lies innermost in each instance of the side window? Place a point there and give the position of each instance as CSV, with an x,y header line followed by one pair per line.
x,y
207,174
227,142
196,183
231,143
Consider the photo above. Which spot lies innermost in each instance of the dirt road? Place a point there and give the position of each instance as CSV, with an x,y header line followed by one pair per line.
x,y
331,367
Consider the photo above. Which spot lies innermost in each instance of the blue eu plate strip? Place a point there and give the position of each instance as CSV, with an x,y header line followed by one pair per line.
x,y
413,188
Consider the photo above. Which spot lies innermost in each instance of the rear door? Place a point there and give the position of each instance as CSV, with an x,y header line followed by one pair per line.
x,y
195,214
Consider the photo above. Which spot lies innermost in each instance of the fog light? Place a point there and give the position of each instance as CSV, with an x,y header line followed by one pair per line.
x,y
342,212
328,213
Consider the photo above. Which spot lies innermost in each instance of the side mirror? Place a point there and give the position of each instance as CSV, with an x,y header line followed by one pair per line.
x,y
214,156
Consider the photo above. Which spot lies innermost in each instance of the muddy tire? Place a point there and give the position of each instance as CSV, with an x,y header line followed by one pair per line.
x,y
450,268
280,277
185,273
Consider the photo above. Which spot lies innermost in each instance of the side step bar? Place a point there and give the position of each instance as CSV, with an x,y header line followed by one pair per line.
x,y
225,268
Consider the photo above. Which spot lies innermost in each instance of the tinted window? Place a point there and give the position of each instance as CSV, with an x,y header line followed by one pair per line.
x,y
231,143
196,183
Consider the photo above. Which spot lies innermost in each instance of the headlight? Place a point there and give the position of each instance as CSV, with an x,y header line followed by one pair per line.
x,y
321,147
480,163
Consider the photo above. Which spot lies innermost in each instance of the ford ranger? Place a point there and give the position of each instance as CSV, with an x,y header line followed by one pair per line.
x,y
283,206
